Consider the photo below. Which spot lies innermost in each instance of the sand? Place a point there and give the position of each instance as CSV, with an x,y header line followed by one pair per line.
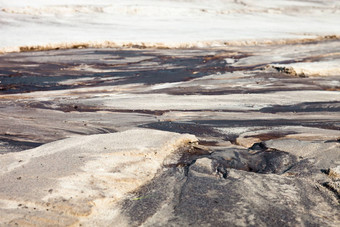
x,y
169,113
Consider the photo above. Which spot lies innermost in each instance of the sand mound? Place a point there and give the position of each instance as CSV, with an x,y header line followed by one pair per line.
x,y
81,179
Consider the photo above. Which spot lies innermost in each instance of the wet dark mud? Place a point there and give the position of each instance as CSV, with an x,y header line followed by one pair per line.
x,y
41,75
305,107
206,127
8,145
317,123
184,127
271,135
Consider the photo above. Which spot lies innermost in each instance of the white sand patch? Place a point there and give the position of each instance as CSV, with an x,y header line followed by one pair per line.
x,y
320,68
170,23
86,80
209,102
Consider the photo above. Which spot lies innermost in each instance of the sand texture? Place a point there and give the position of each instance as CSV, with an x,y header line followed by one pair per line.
x,y
80,180
50,24
169,113
100,137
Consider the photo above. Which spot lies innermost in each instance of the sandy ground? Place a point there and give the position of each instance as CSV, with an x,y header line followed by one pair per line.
x,y
64,182
105,134
169,113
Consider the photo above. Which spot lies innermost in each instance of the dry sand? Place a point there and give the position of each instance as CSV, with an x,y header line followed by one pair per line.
x,y
169,113
267,150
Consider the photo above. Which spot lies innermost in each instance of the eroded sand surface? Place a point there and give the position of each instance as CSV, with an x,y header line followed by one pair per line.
x,y
267,153
174,113
80,180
